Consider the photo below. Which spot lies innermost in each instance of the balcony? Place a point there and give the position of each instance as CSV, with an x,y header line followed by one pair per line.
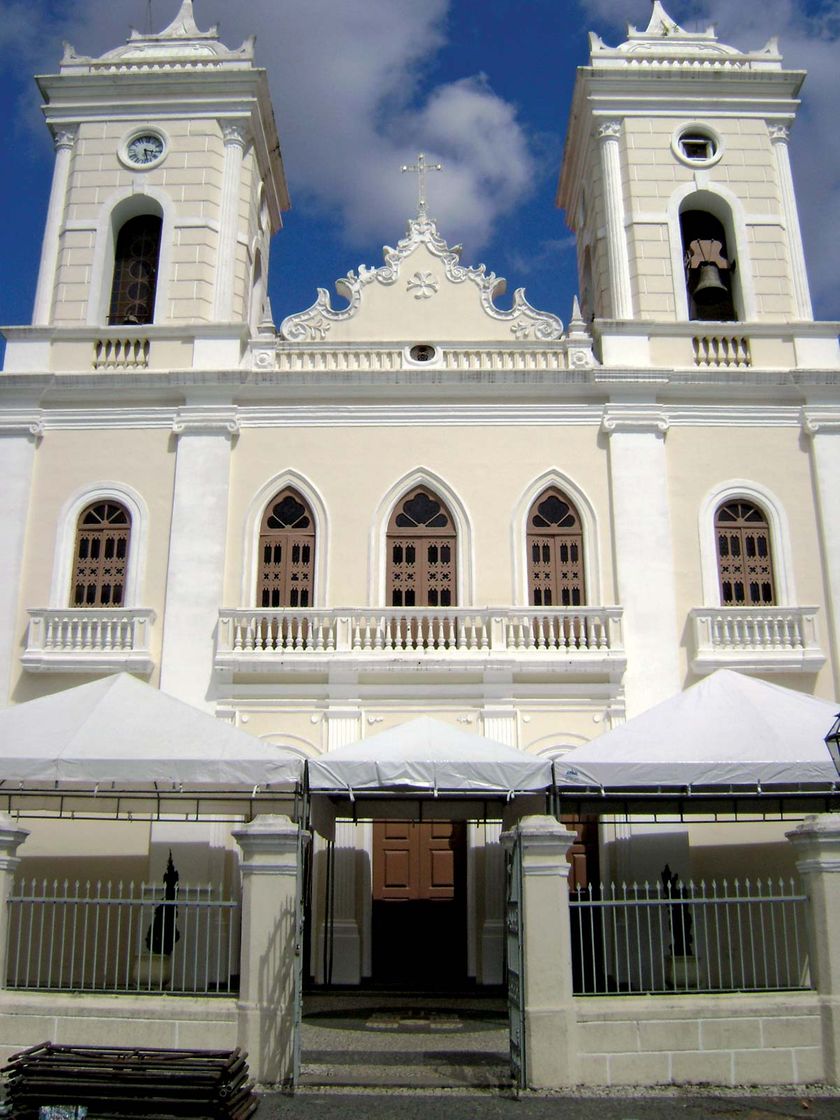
x,y
582,640
758,639
100,640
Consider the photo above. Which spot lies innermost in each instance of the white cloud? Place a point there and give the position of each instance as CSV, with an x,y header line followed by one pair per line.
x,y
808,37
346,80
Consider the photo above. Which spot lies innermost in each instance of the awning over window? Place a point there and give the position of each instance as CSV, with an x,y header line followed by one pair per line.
x,y
727,731
121,734
428,756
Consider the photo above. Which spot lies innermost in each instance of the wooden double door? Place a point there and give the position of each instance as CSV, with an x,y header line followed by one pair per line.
x,y
419,924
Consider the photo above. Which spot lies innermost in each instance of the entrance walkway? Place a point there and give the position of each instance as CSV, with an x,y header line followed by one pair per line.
x,y
408,1041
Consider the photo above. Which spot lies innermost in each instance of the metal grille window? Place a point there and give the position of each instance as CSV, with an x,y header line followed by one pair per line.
x,y
287,552
135,271
103,537
421,552
555,552
745,562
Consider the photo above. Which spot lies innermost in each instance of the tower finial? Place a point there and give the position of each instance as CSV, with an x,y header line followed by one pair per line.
x,y
421,167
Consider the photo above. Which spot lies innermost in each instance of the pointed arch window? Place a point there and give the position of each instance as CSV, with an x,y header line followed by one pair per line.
x,y
136,260
103,538
287,552
744,555
555,552
421,552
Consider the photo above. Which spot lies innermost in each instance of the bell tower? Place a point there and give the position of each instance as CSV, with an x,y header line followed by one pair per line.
x,y
677,181
168,184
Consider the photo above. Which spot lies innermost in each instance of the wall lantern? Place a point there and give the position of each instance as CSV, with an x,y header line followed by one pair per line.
x,y
832,741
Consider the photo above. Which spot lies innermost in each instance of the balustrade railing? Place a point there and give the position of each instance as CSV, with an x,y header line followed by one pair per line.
x,y
86,636
721,936
730,634
722,351
101,937
425,632
121,353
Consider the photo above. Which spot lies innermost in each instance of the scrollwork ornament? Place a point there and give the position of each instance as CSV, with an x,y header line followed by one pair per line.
x,y
265,359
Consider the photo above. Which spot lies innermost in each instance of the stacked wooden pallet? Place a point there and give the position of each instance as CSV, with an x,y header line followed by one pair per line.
x,y
116,1082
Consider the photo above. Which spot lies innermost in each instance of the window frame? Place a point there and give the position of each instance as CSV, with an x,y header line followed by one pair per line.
x,y
426,535
310,532
531,533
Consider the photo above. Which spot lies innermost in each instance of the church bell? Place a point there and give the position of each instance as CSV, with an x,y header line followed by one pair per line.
x,y
710,287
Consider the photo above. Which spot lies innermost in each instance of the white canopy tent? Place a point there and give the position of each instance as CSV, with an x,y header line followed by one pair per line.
x,y
119,734
727,731
431,757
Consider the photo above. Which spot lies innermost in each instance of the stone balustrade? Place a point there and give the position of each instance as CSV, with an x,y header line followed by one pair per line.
x,y
104,640
761,638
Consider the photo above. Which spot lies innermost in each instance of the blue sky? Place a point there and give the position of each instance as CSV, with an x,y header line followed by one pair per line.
x,y
360,86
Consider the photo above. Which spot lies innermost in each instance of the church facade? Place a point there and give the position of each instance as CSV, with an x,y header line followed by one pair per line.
x,y
422,501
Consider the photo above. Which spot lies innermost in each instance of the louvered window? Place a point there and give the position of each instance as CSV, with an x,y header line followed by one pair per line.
x,y
287,552
745,561
421,552
135,271
555,552
103,537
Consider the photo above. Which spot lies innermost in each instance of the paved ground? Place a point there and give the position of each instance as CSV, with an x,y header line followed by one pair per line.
x,y
462,1105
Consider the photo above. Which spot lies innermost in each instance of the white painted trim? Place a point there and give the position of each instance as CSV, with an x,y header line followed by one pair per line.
x,y
143,130
519,533
65,539
253,517
780,542
700,128
116,210
465,559
710,197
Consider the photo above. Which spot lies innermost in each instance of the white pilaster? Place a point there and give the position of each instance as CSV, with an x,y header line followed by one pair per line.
x,y
621,294
11,838
491,970
64,139
196,552
779,136
644,552
236,139
18,439
823,426
344,727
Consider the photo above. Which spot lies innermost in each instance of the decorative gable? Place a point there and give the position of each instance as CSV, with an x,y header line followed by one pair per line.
x,y
421,294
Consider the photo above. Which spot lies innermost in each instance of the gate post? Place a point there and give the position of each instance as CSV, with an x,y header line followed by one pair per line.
x,y
817,841
550,1018
270,956
11,838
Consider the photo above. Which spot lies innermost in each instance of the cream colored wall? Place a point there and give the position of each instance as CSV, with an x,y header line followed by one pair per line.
x,y
115,851
701,459
353,468
747,168
191,178
67,462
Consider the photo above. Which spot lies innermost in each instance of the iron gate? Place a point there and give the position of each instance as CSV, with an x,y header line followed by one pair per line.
x,y
515,956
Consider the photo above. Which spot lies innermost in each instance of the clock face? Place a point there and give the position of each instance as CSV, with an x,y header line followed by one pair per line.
x,y
144,149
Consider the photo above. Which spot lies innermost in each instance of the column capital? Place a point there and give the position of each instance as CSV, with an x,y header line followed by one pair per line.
x,y
64,136
820,420
779,133
817,840
269,845
620,418
543,837
23,423
206,420
236,133
608,130
11,838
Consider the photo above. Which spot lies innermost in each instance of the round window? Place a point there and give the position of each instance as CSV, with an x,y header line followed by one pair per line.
x,y
422,353
697,146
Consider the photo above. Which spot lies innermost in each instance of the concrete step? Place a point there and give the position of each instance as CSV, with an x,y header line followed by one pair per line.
x,y
400,1069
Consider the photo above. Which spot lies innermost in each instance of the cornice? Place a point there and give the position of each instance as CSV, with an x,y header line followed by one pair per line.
x,y
22,422
206,420
820,420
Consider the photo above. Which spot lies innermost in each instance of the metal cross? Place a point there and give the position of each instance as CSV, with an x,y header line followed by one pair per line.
x,y
420,168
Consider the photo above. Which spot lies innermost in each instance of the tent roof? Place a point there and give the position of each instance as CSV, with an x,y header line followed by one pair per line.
x,y
428,755
120,733
727,730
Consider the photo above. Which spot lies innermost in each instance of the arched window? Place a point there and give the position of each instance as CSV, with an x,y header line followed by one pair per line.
x,y
103,536
555,552
745,561
287,552
421,552
709,267
136,260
